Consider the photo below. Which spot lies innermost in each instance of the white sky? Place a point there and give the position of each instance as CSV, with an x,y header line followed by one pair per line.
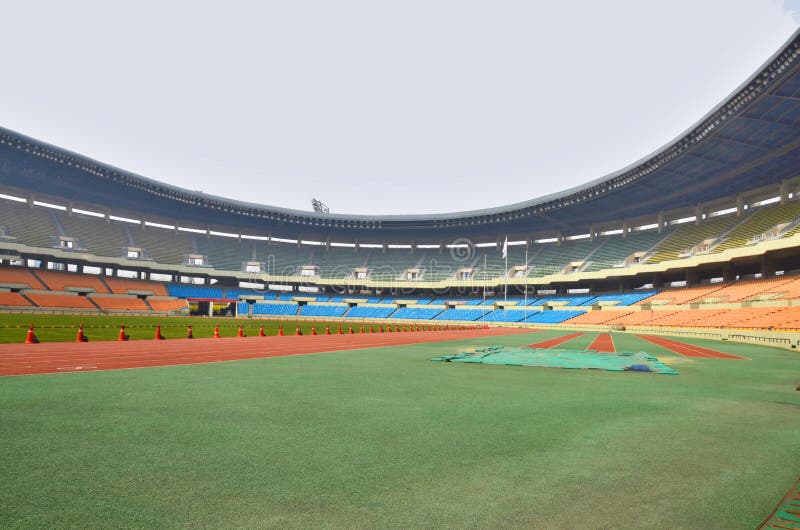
x,y
376,107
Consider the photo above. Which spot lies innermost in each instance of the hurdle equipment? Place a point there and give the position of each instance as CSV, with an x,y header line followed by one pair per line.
x,y
158,336
216,332
30,338
122,336
189,334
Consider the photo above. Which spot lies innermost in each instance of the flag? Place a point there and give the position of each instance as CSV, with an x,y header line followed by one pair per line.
x,y
505,248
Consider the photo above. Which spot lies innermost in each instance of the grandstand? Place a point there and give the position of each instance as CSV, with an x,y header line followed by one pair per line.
x,y
695,226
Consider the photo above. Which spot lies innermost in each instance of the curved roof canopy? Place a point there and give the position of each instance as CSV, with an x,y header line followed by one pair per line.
x,y
750,140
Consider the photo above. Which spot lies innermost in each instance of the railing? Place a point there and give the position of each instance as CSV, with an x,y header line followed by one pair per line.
x,y
782,341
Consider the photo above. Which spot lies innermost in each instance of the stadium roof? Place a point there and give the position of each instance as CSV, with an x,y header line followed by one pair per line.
x,y
748,141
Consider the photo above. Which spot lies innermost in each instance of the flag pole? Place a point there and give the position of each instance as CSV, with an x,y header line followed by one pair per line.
x,y
525,272
505,282
484,278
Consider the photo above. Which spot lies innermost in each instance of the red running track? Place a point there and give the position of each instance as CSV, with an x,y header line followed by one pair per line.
x,y
551,343
603,343
56,357
688,350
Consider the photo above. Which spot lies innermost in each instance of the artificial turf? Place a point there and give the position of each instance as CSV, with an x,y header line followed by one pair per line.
x,y
385,438
64,328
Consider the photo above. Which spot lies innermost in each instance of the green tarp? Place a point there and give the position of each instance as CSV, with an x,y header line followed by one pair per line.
x,y
562,358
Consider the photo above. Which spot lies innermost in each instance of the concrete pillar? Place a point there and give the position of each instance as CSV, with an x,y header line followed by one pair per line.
x,y
727,272
739,205
658,280
784,191
767,266
691,277
698,213
625,227
660,222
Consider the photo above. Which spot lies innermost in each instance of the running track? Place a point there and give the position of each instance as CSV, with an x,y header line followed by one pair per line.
x,y
59,357
603,343
688,350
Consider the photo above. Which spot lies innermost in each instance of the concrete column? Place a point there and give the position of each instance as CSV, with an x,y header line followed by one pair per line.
x,y
784,191
727,272
658,280
660,222
767,266
739,205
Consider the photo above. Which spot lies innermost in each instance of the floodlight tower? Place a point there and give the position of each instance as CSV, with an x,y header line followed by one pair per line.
x,y
319,206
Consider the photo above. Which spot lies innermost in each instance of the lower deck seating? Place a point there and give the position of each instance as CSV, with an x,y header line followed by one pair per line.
x,y
61,301
13,300
416,313
552,317
277,309
463,314
124,286
370,312
319,310
119,303
19,276
166,305
507,315
63,281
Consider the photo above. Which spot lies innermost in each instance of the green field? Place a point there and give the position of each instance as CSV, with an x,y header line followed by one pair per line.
x,y
385,438
61,328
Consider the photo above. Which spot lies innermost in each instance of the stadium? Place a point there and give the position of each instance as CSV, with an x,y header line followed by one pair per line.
x,y
689,256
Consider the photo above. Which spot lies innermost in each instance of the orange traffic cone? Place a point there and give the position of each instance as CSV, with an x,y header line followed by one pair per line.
x,y
327,330
216,332
189,334
261,331
313,330
122,335
158,333
81,337
361,329
397,329
297,331
371,330
350,332
30,338
339,331
240,333
280,330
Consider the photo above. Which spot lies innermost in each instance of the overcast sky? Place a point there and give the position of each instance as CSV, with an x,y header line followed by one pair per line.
x,y
376,107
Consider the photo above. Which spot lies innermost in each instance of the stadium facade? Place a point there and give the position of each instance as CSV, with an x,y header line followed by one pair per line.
x,y
718,201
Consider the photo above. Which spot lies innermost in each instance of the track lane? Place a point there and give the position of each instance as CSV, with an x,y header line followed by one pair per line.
x,y
59,357
689,350
603,343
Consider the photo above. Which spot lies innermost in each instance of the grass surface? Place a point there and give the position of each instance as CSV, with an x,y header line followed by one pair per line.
x,y
64,328
385,438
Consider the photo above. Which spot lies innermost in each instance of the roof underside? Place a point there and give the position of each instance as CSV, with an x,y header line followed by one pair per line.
x,y
749,141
